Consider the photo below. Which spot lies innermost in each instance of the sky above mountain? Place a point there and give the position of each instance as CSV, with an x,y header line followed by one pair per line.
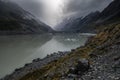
x,y
53,11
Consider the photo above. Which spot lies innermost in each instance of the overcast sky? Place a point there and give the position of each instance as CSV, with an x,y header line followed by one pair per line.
x,y
52,12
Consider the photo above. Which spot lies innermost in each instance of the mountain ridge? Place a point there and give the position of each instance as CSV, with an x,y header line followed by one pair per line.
x,y
87,24
15,20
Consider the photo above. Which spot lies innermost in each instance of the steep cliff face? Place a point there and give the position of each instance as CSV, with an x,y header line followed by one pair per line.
x,y
15,20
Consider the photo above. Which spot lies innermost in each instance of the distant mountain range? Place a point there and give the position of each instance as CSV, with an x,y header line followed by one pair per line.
x,y
78,24
87,24
15,20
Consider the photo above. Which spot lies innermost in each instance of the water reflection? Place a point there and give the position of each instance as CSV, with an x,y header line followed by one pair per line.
x,y
15,51
70,40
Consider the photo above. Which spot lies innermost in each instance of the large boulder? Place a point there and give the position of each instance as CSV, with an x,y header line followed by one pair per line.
x,y
81,67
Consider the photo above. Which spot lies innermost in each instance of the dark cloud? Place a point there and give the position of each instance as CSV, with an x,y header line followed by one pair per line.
x,y
83,7
42,9
71,7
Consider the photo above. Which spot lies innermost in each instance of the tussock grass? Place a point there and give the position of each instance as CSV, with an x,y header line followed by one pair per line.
x,y
55,69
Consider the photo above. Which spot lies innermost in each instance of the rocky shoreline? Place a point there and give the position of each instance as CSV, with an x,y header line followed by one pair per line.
x,y
35,65
99,59
104,67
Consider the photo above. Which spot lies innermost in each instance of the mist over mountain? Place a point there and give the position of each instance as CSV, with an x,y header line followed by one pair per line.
x,y
52,12
71,13
15,20
87,24
81,24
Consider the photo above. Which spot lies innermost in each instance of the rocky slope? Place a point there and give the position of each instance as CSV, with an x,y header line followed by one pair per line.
x,y
99,59
15,20
102,53
35,65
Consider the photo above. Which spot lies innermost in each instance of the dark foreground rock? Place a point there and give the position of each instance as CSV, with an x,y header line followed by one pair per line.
x,y
81,67
105,67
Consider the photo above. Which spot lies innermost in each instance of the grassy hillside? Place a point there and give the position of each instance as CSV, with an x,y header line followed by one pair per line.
x,y
107,37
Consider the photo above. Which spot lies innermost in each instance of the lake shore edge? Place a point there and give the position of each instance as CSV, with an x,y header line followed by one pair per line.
x,y
34,65
102,52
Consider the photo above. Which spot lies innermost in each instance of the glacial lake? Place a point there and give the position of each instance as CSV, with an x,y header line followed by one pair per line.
x,y
16,51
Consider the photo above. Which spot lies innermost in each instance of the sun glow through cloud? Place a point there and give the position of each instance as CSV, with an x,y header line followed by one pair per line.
x,y
55,4
53,11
